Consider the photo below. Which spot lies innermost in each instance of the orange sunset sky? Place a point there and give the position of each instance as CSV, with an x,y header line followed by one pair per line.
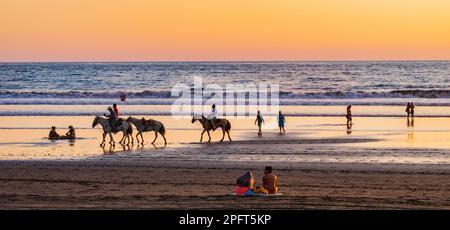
x,y
208,30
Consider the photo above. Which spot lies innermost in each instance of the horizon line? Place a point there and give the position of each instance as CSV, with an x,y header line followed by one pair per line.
x,y
236,61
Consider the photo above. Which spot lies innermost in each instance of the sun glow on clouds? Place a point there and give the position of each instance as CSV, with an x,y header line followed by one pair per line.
x,y
174,30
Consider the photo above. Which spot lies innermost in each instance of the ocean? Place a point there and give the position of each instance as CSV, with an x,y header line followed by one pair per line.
x,y
426,83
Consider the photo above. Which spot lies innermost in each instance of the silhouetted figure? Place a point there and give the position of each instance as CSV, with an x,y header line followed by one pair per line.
x,y
411,109
260,120
349,115
281,121
53,134
408,110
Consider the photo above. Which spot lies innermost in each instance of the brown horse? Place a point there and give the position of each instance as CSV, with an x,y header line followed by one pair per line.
x,y
143,125
224,124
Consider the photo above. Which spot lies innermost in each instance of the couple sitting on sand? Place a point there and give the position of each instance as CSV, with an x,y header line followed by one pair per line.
x,y
245,184
53,135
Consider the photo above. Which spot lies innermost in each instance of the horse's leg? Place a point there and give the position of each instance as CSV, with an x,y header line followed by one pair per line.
x,y
137,137
142,137
103,142
165,142
228,132
201,136
111,139
123,138
156,136
132,140
207,131
223,135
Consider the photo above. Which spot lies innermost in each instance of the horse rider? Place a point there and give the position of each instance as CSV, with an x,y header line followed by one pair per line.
x,y
112,118
213,116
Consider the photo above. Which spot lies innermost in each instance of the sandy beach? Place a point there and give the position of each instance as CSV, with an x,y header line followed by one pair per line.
x,y
381,163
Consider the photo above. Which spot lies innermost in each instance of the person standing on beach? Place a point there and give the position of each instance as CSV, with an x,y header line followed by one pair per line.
x,y
349,115
411,109
116,110
408,110
281,121
259,119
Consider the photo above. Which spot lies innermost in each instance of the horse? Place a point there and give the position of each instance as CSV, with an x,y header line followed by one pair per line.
x,y
143,125
124,127
224,124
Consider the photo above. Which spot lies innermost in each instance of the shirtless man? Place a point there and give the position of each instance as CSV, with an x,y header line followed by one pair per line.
x,y
270,181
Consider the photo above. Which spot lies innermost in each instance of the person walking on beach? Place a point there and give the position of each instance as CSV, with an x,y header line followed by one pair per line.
x,y
270,181
260,120
408,110
116,110
349,115
213,116
281,121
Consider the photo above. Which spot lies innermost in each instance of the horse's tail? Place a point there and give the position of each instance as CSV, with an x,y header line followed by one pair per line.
x,y
162,129
228,126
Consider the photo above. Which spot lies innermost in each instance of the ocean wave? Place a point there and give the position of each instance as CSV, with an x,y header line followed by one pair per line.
x,y
293,94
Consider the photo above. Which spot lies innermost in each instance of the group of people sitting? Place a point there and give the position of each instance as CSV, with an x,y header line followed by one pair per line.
x,y
53,135
245,185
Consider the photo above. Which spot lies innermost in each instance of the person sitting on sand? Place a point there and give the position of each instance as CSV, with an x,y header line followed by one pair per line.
x,y
281,121
349,115
270,181
71,133
53,134
213,116
245,186
260,121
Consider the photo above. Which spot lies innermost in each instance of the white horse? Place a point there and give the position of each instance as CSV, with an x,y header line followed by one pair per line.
x,y
143,125
124,127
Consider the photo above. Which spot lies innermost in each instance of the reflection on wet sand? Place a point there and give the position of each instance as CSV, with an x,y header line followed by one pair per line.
x,y
25,141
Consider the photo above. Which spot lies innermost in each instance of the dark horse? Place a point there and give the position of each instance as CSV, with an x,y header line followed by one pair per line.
x,y
224,124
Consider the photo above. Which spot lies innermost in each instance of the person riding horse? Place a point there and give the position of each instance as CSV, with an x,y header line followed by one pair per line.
x,y
213,116
112,118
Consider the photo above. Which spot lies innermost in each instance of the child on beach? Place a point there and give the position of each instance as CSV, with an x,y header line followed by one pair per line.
x,y
260,121
281,121
270,181
53,134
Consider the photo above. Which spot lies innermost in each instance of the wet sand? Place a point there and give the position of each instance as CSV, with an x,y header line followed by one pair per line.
x,y
319,164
